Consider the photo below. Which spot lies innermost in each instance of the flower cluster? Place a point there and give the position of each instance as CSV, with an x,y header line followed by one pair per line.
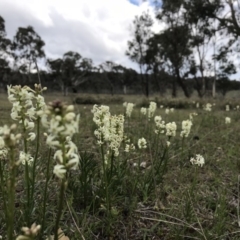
x,y
116,132
171,129
26,105
186,128
22,109
142,143
143,110
8,139
191,115
160,125
29,233
110,128
227,108
62,123
25,158
129,108
169,110
129,147
198,160
208,107
151,110
227,120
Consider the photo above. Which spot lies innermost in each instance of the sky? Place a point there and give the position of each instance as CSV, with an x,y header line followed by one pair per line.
x,y
97,29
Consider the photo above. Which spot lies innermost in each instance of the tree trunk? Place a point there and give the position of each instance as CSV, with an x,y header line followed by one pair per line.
x,y
174,89
125,89
198,87
214,87
146,86
181,83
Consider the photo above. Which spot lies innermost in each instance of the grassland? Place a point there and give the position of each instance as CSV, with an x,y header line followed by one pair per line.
x,y
169,198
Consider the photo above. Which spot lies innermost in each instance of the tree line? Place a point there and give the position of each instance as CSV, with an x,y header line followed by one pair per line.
x,y
198,41
194,51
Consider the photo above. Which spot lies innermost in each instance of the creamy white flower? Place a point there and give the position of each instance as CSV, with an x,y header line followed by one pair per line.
x,y
143,110
59,171
157,119
70,108
52,141
58,156
3,153
142,143
16,107
151,110
129,147
186,128
70,116
110,128
129,109
227,120
198,160
29,233
73,162
2,143
160,125
40,101
32,136
25,158
191,115
143,164
208,107
14,115
5,130
72,148
171,129
28,125
227,108
31,113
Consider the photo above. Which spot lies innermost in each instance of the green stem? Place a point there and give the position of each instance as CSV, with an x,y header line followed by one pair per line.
x,y
60,207
27,210
62,190
11,197
34,163
3,190
105,181
45,190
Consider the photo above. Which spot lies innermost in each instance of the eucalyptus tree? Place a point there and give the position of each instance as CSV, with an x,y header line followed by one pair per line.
x,y
137,47
157,66
28,47
197,15
107,70
5,53
71,70
212,35
214,29
174,43
5,43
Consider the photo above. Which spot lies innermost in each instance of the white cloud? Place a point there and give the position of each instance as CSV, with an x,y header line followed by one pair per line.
x,y
96,29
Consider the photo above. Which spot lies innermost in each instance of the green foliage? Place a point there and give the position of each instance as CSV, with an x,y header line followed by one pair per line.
x,y
168,197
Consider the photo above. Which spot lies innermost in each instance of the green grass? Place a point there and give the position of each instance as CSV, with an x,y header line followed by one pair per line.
x,y
169,199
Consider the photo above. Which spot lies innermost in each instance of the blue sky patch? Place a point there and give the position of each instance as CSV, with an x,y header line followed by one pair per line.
x,y
134,2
